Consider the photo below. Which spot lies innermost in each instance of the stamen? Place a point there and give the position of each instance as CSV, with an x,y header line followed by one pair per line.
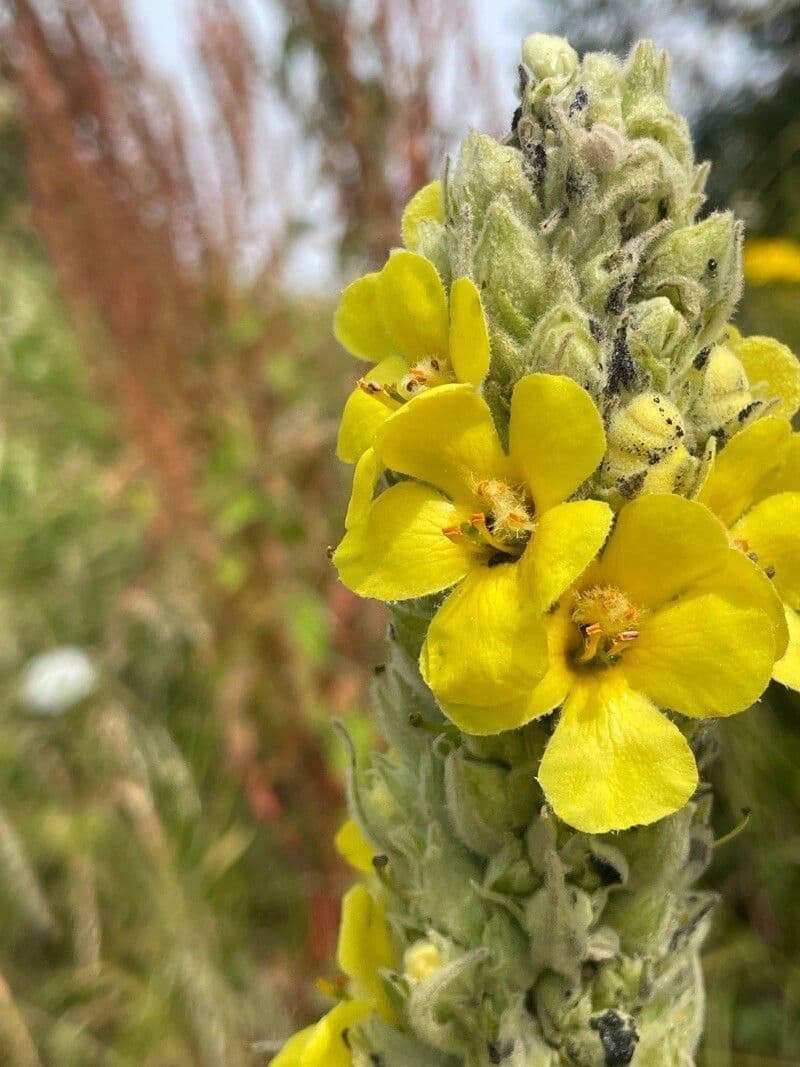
x,y
380,393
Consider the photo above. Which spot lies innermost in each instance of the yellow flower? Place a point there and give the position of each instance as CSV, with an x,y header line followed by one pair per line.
x,y
401,318
774,259
353,847
493,523
669,616
754,488
365,948
325,1044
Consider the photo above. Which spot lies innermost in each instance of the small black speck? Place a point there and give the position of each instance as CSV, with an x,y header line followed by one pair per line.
x,y
579,103
499,1050
380,668
615,301
596,330
380,861
415,718
663,210
622,371
669,422
712,266
515,119
618,1038
606,871
769,571
701,358
747,411
329,551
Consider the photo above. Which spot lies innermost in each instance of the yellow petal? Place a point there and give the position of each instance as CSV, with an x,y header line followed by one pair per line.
x,y
556,436
359,322
775,368
415,306
365,946
469,335
365,478
787,670
787,480
772,530
446,437
364,414
327,1044
425,204
291,1055
399,550
702,656
745,585
745,468
486,644
660,545
353,847
566,540
615,761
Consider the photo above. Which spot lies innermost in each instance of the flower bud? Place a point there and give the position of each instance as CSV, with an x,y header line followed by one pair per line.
x,y
547,56
646,449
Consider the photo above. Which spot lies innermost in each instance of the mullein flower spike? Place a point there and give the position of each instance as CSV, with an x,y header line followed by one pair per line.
x,y
578,489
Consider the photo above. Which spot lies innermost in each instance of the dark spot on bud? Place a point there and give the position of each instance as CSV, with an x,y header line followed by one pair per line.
x,y
615,301
663,209
596,330
753,556
712,266
376,1059
605,870
380,861
701,358
680,432
622,371
537,160
769,571
574,187
379,668
617,1036
515,119
579,103
391,631
329,551
499,1050
415,718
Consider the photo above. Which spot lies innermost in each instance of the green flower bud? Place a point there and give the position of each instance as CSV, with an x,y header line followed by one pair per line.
x,y
546,56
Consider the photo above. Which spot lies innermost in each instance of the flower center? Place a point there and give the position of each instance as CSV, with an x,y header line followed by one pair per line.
x,y
505,524
607,622
429,372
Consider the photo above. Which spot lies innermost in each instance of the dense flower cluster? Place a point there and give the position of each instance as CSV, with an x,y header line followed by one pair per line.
x,y
584,475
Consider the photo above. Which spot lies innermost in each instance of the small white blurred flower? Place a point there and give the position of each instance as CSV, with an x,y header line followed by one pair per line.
x,y
53,682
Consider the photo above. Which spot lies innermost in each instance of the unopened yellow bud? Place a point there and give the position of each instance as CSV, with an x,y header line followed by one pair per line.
x,y
646,453
421,960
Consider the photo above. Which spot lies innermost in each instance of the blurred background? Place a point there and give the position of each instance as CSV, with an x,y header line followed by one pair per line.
x,y
185,185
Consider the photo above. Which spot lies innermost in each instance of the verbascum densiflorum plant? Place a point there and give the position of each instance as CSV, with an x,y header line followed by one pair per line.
x,y
577,487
